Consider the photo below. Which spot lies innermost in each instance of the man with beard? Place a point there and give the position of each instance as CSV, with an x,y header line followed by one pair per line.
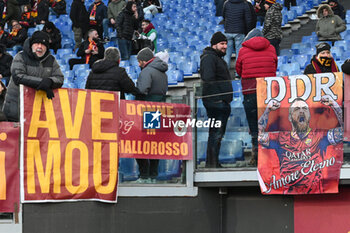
x,y
34,67
217,93
301,145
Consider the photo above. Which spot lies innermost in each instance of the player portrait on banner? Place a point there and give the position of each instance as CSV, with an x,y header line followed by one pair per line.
x,y
300,134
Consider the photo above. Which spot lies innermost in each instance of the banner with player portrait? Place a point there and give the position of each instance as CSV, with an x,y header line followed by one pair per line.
x,y
300,123
155,130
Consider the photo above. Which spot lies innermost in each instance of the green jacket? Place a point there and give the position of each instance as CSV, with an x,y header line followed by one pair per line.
x,y
114,8
329,27
154,41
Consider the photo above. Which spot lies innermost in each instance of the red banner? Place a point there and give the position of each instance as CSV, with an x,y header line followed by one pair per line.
x,y
9,167
70,143
154,130
346,108
300,133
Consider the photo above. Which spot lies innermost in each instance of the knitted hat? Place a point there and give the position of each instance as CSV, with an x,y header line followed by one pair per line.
x,y
322,47
40,37
145,54
217,38
270,1
112,54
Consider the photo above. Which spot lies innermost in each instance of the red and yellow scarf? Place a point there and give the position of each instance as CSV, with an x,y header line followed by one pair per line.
x,y
92,47
93,14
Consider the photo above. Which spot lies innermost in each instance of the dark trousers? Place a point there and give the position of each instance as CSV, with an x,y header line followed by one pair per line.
x,y
276,43
76,61
125,47
250,107
287,3
148,168
218,111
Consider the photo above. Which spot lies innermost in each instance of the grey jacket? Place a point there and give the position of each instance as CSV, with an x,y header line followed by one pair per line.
x,y
114,8
153,79
28,70
329,27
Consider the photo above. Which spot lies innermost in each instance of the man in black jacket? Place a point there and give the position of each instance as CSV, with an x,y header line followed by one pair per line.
x,y
217,93
107,75
337,8
90,50
54,35
127,23
80,21
97,12
238,22
17,36
5,64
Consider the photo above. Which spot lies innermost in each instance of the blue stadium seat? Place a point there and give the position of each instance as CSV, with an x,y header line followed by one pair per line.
x,y
175,75
62,52
188,67
128,169
231,151
291,68
80,67
337,52
168,169
303,60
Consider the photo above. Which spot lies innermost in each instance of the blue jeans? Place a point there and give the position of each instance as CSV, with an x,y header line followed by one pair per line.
x,y
105,24
237,39
125,47
218,111
260,19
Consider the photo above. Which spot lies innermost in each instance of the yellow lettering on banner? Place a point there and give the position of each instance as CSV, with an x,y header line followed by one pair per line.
x,y
44,177
36,123
84,167
2,176
176,150
140,108
72,129
130,109
113,164
98,115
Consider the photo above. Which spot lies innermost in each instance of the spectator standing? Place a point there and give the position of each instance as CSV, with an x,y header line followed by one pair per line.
x,y
13,11
17,36
149,33
237,20
260,11
97,12
323,61
43,12
3,35
337,8
54,36
153,83
217,93
58,7
113,10
90,50
5,65
127,23
273,23
2,99
80,21
288,3
27,19
34,67
257,59
253,16
107,75
329,26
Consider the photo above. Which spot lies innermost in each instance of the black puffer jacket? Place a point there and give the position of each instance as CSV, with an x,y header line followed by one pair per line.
x,y
215,76
237,16
28,70
79,15
54,35
126,24
5,65
18,39
310,68
107,75
43,11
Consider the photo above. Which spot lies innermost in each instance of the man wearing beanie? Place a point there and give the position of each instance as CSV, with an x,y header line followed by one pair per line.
x,y
273,23
323,61
217,93
153,83
34,67
107,75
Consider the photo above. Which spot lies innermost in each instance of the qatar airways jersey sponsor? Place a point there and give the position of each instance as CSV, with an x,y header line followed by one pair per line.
x,y
301,161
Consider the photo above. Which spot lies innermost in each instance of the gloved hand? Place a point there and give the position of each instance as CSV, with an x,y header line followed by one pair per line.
x,y
45,85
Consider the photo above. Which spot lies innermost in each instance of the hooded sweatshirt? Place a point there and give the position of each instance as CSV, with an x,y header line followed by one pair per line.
x,y
257,59
153,79
329,27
